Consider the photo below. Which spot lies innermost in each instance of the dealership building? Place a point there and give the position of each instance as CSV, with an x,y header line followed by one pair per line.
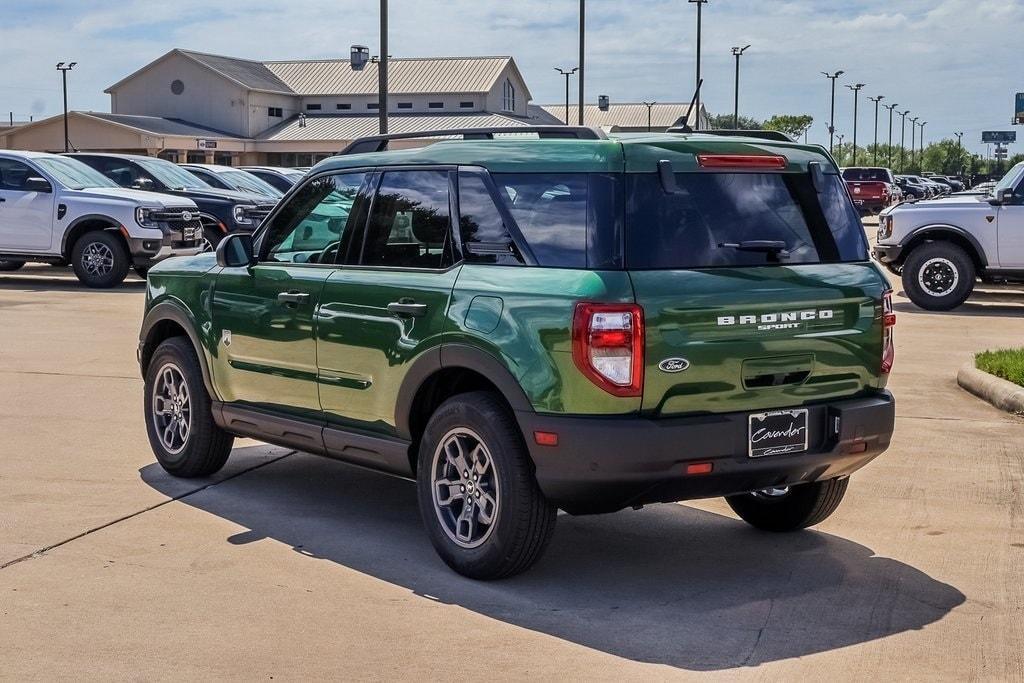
x,y
203,108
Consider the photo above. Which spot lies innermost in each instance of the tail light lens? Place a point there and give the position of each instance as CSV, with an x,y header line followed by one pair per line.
x,y
743,161
608,346
888,322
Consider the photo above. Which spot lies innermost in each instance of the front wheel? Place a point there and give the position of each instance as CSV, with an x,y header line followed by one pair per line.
x,y
789,508
938,276
479,500
100,259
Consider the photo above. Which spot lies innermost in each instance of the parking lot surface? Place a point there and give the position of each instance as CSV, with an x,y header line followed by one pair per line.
x,y
290,566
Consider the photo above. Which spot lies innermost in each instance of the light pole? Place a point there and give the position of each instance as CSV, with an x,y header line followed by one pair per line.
x,y
903,141
700,4
876,100
382,69
890,107
856,96
738,52
913,140
840,136
960,150
920,157
832,117
649,105
567,73
64,69
583,42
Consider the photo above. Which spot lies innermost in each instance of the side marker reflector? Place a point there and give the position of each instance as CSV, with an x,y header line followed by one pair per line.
x,y
545,438
699,468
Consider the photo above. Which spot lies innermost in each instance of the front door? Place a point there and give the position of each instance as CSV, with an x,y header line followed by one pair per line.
x,y
1010,217
263,315
26,215
389,304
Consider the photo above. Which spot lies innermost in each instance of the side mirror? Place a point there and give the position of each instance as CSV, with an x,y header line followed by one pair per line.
x,y
236,251
143,184
1002,197
37,184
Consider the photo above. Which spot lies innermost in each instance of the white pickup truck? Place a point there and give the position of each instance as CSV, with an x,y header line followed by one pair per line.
x,y
54,209
941,247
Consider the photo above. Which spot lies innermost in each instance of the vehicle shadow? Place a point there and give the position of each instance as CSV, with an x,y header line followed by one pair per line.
x,y
57,282
981,304
668,584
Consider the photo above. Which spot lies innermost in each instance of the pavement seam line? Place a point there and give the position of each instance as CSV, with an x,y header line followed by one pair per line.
x,y
42,551
66,374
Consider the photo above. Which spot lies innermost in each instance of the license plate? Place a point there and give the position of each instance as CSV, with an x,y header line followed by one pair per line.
x,y
188,234
777,433
858,202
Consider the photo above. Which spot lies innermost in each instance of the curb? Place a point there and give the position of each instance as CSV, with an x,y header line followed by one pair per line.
x,y
996,390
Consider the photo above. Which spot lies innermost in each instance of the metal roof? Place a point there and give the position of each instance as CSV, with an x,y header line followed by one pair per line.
x,y
350,127
620,115
160,126
405,76
253,75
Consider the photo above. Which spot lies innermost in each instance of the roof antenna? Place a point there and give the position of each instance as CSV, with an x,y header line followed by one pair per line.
x,y
685,127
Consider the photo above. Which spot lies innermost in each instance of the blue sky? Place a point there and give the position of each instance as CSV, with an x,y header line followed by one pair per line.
x,y
955,63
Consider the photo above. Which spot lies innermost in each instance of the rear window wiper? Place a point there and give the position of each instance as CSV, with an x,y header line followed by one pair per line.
x,y
776,247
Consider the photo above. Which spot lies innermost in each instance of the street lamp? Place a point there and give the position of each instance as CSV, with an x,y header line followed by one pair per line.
x,y
913,139
832,118
64,69
921,143
738,52
960,150
903,140
649,105
583,35
876,100
890,107
700,4
840,136
856,96
567,73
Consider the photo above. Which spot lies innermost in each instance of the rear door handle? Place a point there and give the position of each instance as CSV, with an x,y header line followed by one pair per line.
x,y
408,308
293,298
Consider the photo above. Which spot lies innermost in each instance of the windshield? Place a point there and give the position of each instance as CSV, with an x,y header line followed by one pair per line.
x,y
866,174
1010,180
73,174
243,180
712,214
172,176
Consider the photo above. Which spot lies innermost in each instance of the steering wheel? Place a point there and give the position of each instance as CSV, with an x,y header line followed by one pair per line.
x,y
327,255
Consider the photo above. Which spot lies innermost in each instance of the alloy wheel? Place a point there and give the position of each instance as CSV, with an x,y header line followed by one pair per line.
x,y
464,488
938,276
97,259
172,408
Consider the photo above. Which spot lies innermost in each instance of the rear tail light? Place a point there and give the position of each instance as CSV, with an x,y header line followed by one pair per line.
x,y
742,161
888,322
608,346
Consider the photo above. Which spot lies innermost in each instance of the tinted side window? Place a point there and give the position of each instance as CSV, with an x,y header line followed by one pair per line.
x,y
410,222
13,175
124,173
484,235
551,212
318,221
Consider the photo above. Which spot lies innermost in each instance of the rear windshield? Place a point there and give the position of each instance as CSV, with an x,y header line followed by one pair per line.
x,y
694,227
864,174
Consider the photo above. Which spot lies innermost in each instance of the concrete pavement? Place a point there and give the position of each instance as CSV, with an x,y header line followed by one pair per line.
x,y
290,566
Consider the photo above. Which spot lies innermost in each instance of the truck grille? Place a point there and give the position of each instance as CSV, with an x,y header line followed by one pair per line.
x,y
188,230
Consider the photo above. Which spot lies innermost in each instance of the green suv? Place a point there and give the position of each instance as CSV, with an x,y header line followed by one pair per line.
x,y
522,324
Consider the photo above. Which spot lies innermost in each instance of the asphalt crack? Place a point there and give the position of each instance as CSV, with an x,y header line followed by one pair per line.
x,y
42,551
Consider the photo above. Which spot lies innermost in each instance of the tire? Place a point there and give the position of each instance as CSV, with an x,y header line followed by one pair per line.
x,y
7,265
798,508
212,236
522,520
938,276
100,259
204,447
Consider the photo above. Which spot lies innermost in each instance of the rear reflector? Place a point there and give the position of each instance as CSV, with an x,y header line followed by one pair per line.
x,y
545,438
742,161
857,447
888,322
699,468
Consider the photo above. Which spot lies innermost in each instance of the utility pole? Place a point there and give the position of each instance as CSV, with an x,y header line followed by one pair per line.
x,y
583,35
960,150
64,69
382,69
876,100
890,107
738,51
649,105
832,118
700,4
921,143
567,73
903,141
856,96
913,140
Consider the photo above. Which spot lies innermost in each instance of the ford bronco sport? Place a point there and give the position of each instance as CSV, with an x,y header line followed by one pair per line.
x,y
522,325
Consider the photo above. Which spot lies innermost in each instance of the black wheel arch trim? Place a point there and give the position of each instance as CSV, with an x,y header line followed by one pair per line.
x,y
167,310
114,224
945,227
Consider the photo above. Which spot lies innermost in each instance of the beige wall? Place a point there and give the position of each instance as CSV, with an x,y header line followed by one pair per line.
x,y
420,104
495,98
260,102
208,99
86,134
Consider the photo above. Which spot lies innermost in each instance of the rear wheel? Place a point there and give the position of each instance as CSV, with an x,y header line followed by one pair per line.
x,y
938,276
479,500
7,265
100,259
789,508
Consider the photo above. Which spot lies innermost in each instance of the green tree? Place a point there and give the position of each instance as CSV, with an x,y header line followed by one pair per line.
x,y
725,121
945,157
793,125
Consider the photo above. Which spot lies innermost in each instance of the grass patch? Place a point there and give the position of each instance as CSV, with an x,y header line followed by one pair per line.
x,y
1005,363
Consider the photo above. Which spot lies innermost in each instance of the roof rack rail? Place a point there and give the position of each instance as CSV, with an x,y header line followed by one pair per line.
x,y
725,132
379,143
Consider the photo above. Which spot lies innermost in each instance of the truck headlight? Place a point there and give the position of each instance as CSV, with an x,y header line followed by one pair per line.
x,y
884,227
144,217
241,214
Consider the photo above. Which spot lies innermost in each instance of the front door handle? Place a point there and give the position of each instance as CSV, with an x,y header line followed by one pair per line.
x,y
293,298
407,308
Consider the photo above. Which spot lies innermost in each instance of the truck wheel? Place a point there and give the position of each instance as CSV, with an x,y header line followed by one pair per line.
x,y
179,419
478,497
7,265
100,259
211,238
938,276
789,508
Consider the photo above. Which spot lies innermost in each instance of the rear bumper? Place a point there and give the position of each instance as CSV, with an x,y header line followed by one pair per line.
x,y
872,204
606,464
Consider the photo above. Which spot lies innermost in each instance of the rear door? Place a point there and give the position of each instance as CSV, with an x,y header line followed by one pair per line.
x,y
730,327
26,216
263,316
387,306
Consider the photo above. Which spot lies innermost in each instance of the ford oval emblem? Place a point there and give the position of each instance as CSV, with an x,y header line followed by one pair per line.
x,y
186,216
674,365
